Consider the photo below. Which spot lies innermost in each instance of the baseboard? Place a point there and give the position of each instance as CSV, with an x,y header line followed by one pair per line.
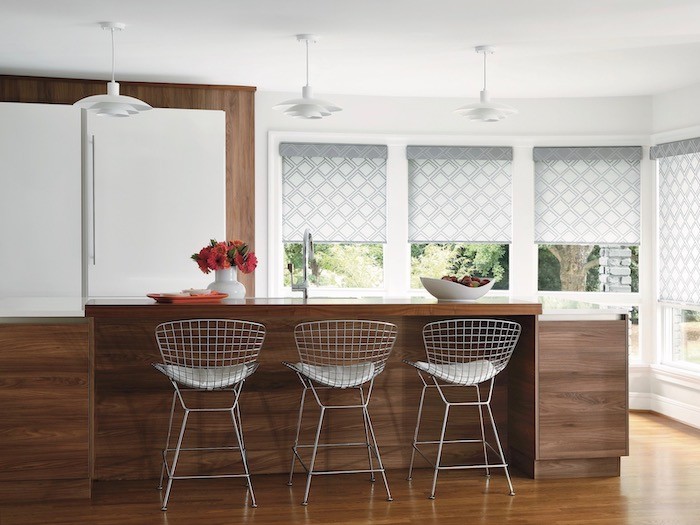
x,y
682,412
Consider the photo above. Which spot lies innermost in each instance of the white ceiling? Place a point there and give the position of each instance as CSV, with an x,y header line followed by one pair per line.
x,y
545,48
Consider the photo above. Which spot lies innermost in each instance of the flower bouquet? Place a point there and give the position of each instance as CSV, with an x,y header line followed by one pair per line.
x,y
224,255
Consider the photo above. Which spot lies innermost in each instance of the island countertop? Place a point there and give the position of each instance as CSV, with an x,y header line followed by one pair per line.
x,y
297,307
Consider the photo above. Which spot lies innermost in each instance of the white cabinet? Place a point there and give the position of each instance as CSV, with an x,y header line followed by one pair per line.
x,y
155,187
40,202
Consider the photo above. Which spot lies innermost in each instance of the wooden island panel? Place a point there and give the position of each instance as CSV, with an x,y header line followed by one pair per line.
x,y
583,398
132,399
44,395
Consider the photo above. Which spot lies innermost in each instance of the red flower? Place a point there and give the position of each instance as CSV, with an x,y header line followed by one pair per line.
x,y
250,263
222,255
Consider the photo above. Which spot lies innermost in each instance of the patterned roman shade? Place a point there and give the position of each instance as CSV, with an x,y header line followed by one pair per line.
x,y
338,191
587,195
679,220
459,194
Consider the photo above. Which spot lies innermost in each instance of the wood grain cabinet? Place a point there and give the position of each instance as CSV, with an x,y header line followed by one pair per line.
x,y
44,395
582,398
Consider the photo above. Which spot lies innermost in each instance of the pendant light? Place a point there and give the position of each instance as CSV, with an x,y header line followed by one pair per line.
x,y
307,107
485,110
113,104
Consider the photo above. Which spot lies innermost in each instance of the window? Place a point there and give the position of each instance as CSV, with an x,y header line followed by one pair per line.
x,y
587,218
588,268
459,211
678,167
685,339
338,192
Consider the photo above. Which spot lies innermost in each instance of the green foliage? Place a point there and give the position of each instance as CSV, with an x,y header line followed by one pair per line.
x,y
339,265
593,274
436,260
548,277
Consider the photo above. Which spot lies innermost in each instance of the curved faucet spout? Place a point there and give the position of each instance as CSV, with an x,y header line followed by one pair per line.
x,y
307,255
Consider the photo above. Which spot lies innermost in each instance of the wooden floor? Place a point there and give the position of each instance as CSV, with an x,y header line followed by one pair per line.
x,y
660,485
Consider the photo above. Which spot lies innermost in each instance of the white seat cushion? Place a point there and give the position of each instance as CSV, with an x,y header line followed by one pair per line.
x,y
206,378
470,373
338,376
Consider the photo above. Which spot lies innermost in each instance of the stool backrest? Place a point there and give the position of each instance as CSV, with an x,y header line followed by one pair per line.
x,y
345,343
209,343
458,341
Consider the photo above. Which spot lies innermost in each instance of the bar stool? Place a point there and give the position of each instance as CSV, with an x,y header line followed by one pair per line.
x,y
340,355
206,355
464,353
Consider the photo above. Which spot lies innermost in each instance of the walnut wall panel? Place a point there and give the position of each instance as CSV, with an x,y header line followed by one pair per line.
x,y
238,102
44,395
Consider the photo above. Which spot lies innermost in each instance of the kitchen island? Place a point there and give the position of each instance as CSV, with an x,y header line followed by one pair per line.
x,y
131,399
561,404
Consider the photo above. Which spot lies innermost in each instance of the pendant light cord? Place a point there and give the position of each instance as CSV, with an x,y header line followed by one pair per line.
x,y
112,30
307,62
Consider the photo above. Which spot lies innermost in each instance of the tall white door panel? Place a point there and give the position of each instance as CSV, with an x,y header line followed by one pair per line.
x,y
156,195
40,201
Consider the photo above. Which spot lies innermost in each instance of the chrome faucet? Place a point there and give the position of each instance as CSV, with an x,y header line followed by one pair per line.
x,y
307,255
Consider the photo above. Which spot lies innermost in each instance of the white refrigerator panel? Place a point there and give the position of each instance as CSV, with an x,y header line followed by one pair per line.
x,y
156,195
40,201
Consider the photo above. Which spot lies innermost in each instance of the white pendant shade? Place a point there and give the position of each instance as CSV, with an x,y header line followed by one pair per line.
x,y
113,104
307,107
485,110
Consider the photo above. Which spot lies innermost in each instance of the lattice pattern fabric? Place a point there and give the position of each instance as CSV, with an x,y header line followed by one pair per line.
x,y
339,198
465,196
679,228
587,195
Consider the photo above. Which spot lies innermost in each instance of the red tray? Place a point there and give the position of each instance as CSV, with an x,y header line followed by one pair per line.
x,y
213,297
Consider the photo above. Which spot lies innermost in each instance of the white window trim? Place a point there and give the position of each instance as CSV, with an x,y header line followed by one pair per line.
x,y
523,250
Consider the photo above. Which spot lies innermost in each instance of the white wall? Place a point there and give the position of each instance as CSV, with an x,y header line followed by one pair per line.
x,y
542,122
676,110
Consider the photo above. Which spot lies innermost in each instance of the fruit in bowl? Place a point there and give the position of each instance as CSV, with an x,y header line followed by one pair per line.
x,y
453,288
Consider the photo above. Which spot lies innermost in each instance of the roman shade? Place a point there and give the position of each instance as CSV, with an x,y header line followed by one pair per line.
x,y
459,194
587,195
678,166
338,191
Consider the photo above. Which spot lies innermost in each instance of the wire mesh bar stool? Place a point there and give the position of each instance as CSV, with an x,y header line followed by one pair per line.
x,y
347,355
464,353
207,355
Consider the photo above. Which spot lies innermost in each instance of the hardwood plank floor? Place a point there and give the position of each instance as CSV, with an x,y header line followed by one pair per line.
x,y
659,485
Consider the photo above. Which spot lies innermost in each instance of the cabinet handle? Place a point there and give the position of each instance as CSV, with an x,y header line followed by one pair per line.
x,y
94,245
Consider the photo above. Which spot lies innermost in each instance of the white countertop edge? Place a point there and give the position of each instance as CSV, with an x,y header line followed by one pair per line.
x,y
581,315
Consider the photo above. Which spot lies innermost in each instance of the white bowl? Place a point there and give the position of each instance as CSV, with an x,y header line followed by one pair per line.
x,y
445,290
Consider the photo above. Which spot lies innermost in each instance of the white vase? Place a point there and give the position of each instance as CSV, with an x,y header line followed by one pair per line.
x,y
226,281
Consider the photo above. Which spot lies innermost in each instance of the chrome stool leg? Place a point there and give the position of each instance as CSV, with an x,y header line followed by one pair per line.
x,y
415,434
167,441
309,475
439,452
379,456
239,437
171,471
500,449
483,434
296,438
